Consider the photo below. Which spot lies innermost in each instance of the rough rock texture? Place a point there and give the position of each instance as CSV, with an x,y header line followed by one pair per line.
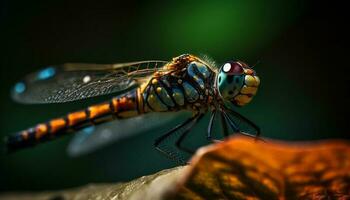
x,y
239,168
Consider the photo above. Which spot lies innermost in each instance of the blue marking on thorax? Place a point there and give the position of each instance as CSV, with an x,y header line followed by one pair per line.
x,y
190,92
20,87
203,70
165,96
166,82
154,102
190,69
46,73
178,96
192,73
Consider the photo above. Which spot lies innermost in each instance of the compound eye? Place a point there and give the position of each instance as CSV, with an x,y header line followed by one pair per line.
x,y
233,68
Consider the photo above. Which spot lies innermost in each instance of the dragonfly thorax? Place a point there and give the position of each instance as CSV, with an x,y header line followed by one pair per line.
x,y
188,86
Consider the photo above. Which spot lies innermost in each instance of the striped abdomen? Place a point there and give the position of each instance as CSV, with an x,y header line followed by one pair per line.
x,y
123,106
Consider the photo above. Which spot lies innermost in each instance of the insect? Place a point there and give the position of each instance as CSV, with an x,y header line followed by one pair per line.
x,y
147,90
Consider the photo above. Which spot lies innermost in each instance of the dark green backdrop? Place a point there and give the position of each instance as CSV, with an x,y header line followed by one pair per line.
x,y
303,69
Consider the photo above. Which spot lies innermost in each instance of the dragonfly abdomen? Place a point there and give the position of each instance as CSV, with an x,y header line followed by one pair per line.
x,y
123,106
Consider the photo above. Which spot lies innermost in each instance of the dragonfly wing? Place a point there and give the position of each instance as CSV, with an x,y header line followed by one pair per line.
x,y
94,137
74,81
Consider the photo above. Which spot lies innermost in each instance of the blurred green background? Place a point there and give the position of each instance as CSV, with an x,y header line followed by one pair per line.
x,y
300,45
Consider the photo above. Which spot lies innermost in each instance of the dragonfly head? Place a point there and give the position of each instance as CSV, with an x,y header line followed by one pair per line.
x,y
237,82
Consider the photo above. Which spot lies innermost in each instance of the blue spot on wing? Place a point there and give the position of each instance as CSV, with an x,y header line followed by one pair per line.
x,y
46,73
20,87
88,130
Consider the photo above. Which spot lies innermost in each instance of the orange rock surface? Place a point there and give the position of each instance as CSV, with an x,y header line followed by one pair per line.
x,y
242,168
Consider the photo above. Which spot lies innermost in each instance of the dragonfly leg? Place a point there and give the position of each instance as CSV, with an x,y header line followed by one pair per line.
x,y
234,125
224,125
178,129
210,127
184,134
247,120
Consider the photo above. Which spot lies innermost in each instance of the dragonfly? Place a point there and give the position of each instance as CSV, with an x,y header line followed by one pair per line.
x,y
146,93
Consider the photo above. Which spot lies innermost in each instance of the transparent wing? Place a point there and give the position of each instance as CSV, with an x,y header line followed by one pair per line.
x,y
244,125
74,81
95,137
